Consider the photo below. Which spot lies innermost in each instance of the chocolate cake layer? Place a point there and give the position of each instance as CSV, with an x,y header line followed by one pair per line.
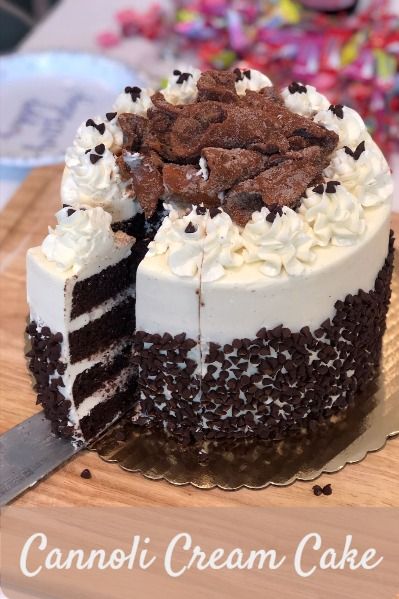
x,y
140,228
95,290
106,411
91,379
273,385
96,336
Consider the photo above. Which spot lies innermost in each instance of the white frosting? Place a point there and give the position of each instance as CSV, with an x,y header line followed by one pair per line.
x,y
204,171
78,239
255,83
88,136
166,302
222,245
283,245
368,178
87,185
336,218
305,103
114,129
351,129
185,92
213,246
124,103
184,250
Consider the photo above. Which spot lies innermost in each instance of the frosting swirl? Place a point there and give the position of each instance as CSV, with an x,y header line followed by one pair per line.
x,y
94,132
182,243
134,103
336,218
368,176
78,239
196,242
222,245
252,80
305,103
350,129
88,184
282,245
181,87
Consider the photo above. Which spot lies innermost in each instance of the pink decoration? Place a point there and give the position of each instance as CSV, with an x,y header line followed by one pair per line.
x,y
107,39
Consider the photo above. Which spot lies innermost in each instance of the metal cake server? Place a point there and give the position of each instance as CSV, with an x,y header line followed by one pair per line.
x,y
28,452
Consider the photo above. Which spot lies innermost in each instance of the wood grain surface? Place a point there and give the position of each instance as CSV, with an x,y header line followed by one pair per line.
x,y
23,223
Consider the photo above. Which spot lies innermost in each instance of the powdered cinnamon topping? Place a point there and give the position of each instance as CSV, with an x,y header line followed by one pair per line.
x,y
254,150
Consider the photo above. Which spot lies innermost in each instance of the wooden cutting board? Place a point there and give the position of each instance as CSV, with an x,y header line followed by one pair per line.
x,y
23,224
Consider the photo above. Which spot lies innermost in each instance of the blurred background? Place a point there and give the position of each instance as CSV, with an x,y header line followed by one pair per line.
x,y
348,49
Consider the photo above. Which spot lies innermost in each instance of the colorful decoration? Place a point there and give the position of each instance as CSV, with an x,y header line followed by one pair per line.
x,y
354,58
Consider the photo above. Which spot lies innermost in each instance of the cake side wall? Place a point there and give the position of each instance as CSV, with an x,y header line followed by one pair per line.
x,y
277,381
166,343
280,380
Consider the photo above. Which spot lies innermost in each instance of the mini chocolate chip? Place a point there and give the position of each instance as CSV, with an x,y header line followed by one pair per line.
x,y
239,74
85,473
190,228
201,210
271,217
317,490
296,87
87,151
110,115
327,490
100,149
100,128
358,152
134,92
319,189
214,211
94,158
183,77
331,186
338,110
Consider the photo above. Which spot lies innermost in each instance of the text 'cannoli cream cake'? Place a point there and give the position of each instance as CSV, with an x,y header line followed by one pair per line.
x,y
256,286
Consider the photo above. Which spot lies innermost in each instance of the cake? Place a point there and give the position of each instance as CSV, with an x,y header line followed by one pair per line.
x,y
236,242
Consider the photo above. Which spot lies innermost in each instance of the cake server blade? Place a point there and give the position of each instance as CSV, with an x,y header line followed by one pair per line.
x,y
28,452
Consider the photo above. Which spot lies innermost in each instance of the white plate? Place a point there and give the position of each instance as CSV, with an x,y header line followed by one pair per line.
x,y
44,96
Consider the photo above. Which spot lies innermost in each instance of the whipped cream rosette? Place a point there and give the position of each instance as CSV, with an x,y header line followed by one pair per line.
x,y
284,245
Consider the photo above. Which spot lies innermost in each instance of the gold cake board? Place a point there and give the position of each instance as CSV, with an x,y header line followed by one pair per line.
x,y
256,464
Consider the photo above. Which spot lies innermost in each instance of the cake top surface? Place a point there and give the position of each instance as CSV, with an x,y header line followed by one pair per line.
x,y
276,174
